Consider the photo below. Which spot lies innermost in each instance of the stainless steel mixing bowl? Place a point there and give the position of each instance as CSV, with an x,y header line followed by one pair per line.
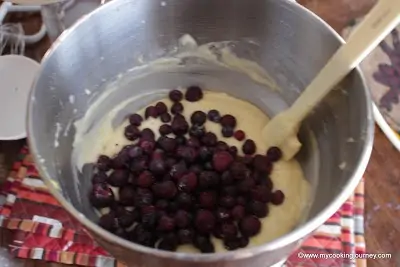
x,y
291,43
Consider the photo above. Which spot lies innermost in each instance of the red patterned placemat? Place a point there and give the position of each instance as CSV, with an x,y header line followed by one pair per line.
x,y
43,230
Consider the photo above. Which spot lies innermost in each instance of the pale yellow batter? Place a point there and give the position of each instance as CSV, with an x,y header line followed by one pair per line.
x,y
286,175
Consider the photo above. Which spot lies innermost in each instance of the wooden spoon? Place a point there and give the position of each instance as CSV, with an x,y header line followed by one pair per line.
x,y
282,130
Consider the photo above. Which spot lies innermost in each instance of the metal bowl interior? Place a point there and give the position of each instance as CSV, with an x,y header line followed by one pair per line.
x,y
289,42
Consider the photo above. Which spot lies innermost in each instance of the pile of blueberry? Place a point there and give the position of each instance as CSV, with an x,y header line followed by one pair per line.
x,y
186,186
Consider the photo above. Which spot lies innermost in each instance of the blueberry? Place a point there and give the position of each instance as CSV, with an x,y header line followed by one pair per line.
x,y
232,243
151,111
229,190
204,221
169,242
246,185
207,199
227,131
120,161
193,142
238,212
172,207
274,154
227,202
184,200
169,162
165,129
138,165
188,182
233,151
258,209
178,170
277,197
228,121
239,171
208,180
158,154
197,130
143,197
161,108
198,118
135,119
193,94
247,160
166,223
145,179
204,244
127,195
243,241
181,140
241,200
103,163
167,144
179,125
118,178
101,196
223,214
249,147
149,220
222,146
148,134
205,153
176,108
99,178
166,189
146,209
135,152
214,116
229,230
143,237
157,166
262,164
227,178
261,193
196,168
148,146
222,160
187,153
108,222
127,218
239,135
209,139
166,117
175,95
182,219
250,226
162,204
132,132
208,166
266,181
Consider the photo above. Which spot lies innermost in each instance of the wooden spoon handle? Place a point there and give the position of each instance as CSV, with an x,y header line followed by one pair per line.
x,y
383,18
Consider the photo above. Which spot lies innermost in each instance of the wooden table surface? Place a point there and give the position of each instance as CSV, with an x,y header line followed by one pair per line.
x,y
382,213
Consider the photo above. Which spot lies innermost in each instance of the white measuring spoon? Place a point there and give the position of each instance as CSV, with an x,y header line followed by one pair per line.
x,y
282,130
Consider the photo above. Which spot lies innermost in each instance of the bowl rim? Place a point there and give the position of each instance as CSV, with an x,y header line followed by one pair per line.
x,y
293,237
